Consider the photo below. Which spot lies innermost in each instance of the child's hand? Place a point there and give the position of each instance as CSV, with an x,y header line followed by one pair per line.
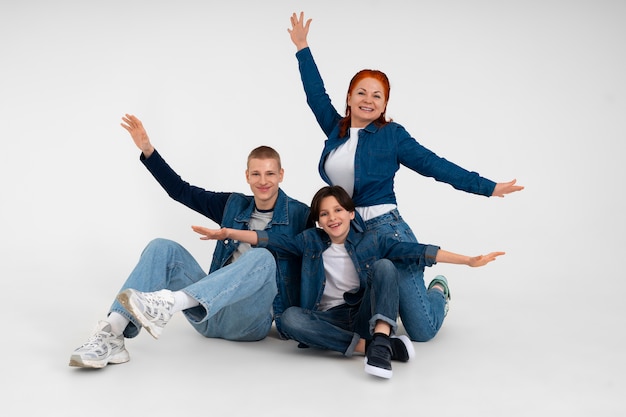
x,y
211,234
482,260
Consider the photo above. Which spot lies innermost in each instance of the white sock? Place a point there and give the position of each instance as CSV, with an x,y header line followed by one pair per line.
x,y
183,301
118,323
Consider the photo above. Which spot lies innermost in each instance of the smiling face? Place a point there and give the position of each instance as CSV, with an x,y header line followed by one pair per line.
x,y
264,177
334,219
367,102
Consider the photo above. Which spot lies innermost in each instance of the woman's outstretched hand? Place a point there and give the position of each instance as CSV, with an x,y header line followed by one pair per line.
x,y
482,260
503,188
299,30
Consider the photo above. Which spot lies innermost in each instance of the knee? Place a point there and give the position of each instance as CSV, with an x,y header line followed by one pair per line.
x,y
290,319
385,269
422,336
261,256
159,245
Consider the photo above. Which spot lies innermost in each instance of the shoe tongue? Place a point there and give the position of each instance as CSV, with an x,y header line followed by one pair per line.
x,y
104,326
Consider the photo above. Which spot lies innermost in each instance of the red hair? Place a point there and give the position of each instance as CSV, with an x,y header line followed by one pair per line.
x,y
344,124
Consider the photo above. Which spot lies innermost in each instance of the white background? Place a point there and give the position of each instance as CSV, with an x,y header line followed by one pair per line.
x,y
533,90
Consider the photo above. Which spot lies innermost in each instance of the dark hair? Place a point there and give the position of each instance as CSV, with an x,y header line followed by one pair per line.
x,y
342,196
264,152
344,124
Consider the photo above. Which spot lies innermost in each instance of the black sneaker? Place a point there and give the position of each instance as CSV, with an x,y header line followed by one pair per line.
x,y
401,348
378,357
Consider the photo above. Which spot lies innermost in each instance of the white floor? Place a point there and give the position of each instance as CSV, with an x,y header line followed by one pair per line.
x,y
495,356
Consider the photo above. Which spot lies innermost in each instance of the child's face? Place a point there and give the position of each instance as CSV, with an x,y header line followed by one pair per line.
x,y
334,219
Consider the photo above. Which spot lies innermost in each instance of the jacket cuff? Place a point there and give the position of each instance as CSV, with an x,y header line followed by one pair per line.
x,y
430,256
262,238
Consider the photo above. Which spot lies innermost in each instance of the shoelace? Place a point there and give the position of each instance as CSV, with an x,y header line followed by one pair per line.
x,y
94,339
157,306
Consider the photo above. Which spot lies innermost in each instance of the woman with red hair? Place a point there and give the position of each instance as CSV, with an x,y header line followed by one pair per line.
x,y
362,153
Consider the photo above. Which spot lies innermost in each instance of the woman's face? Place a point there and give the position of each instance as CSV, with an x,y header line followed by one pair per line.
x,y
367,102
334,219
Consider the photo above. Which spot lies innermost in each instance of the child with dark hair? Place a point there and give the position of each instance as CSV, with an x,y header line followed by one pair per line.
x,y
349,284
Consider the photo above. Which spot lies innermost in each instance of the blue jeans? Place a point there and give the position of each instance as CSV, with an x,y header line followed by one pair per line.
x,y
235,301
421,311
341,327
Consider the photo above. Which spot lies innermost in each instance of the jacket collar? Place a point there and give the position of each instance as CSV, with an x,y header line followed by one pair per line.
x,y
280,215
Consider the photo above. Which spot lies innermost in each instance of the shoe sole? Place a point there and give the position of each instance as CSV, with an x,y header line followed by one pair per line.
x,y
121,357
125,298
376,371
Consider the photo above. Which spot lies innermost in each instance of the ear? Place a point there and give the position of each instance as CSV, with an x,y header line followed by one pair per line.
x,y
351,215
281,175
247,176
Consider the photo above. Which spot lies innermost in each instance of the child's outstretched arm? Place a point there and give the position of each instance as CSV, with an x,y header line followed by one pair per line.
x,y
473,261
246,236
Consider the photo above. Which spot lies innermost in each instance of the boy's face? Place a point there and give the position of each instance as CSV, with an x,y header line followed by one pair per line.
x,y
264,177
334,219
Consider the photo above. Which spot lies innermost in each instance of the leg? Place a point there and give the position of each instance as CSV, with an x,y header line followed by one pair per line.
x,y
236,301
421,311
381,298
328,330
163,264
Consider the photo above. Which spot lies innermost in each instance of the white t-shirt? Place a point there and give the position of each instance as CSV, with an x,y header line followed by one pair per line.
x,y
258,221
340,162
339,167
341,276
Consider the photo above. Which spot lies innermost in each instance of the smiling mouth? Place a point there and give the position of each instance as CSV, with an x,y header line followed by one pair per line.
x,y
367,109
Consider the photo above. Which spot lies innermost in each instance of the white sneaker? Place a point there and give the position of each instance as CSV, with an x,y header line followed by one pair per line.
x,y
102,348
152,309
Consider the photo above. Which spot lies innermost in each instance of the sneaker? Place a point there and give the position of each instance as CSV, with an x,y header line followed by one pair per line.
x,y
152,309
102,348
441,280
401,348
378,357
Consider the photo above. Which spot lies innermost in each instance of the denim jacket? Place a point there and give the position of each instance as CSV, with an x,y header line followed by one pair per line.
x,y
234,210
380,150
364,249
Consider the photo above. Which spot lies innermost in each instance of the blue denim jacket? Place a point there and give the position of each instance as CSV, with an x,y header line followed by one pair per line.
x,y
234,210
364,249
380,150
